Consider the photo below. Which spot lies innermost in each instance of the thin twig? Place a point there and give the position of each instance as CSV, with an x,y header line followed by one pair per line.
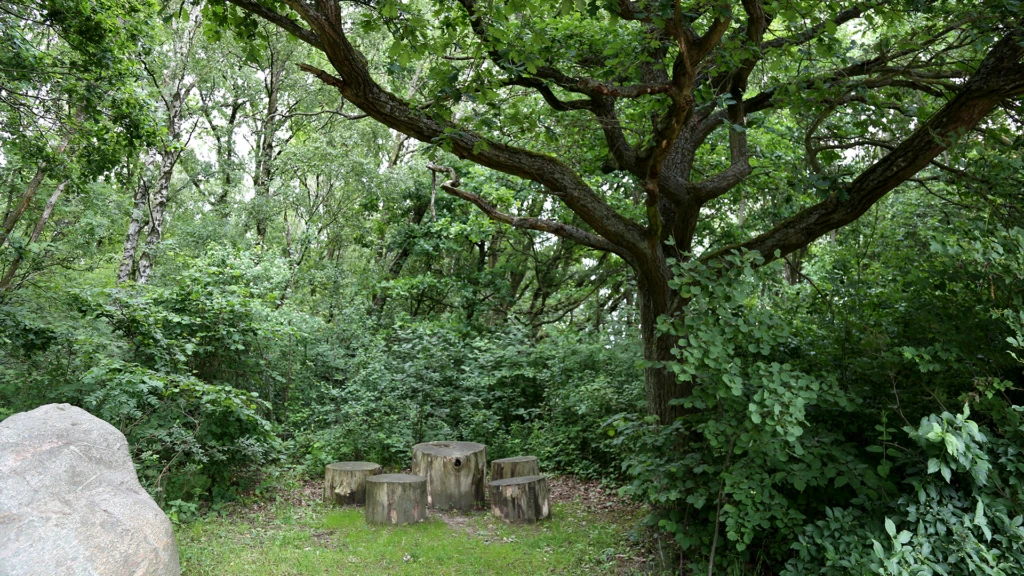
x,y
718,512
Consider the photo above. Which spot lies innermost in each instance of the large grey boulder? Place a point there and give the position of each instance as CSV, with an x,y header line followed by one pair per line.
x,y
71,504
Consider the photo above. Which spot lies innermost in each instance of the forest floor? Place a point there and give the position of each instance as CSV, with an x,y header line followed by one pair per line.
x,y
589,532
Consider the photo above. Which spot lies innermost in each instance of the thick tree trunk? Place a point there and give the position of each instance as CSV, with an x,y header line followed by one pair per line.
x,y
345,482
514,467
131,240
656,298
5,282
523,499
396,499
455,473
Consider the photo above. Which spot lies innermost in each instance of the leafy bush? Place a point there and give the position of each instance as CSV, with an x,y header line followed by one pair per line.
x,y
173,367
960,512
428,381
783,464
186,435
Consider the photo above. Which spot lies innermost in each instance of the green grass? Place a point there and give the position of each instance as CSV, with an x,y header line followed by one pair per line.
x,y
290,539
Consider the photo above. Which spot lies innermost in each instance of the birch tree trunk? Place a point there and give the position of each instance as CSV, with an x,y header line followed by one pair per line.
x,y
175,84
5,282
131,240
157,206
15,215
30,191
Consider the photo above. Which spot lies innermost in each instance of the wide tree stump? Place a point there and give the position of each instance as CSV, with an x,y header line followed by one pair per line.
x,y
455,473
345,482
513,467
522,499
396,499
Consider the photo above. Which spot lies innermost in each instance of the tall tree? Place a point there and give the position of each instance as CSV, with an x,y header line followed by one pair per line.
x,y
173,77
659,82
69,110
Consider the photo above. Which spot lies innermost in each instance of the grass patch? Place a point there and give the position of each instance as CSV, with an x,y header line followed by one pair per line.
x,y
306,538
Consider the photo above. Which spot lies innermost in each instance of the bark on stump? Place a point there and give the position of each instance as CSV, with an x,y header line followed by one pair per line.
x,y
523,499
455,473
396,499
513,467
345,482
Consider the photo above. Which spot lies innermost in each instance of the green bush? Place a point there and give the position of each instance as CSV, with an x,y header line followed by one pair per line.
x,y
423,381
783,463
186,435
182,369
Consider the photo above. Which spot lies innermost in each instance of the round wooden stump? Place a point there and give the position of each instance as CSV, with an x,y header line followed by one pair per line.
x,y
455,473
513,467
522,499
396,499
345,482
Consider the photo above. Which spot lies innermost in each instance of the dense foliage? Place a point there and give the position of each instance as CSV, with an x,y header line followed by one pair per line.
x,y
212,248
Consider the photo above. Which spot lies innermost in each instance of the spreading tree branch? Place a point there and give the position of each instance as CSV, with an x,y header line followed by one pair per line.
x,y
1000,76
560,229
281,21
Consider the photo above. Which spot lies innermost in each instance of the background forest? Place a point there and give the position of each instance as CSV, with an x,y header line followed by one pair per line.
x,y
206,246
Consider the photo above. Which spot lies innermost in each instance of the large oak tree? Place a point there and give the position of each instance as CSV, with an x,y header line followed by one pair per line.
x,y
879,90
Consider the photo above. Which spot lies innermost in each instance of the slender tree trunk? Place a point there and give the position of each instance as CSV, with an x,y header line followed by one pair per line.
x,y
265,150
5,282
157,209
30,191
793,269
395,269
158,200
224,145
396,154
131,240
418,212
33,186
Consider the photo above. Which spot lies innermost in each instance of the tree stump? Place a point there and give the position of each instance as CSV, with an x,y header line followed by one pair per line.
x,y
455,473
345,482
522,499
512,467
396,499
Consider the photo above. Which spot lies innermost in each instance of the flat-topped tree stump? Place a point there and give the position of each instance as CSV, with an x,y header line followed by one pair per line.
x,y
522,499
513,467
396,499
455,473
345,482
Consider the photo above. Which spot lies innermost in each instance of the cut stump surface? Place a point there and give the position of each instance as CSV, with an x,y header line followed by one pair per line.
x,y
345,482
396,499
522,499
513,467
455,473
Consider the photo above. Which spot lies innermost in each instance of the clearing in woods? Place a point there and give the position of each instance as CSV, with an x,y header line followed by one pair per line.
x,y
589,532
